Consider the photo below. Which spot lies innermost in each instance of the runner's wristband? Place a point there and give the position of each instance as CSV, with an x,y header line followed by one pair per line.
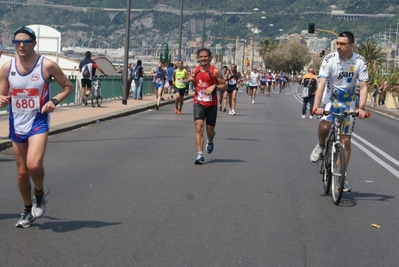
x,y
55,101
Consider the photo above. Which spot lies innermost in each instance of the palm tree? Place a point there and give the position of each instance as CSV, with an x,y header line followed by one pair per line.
x,y
374,55
267,46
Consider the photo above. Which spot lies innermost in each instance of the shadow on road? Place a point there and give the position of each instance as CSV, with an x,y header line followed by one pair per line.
x,y
69,226
225,160
350,199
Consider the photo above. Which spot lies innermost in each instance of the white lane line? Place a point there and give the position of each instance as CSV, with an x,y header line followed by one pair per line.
x,y
376,159
382,153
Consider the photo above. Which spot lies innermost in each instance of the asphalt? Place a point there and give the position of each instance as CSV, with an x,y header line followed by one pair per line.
x,y
69,117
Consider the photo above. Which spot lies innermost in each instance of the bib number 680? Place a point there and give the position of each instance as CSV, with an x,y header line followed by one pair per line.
x,y
25,103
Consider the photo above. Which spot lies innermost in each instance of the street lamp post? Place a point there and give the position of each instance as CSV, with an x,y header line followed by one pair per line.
x,y
243,54
224,33
181,29
203,25
255,30
125,61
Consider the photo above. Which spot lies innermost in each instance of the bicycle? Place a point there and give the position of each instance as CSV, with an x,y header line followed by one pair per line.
x,y
96,92
333,159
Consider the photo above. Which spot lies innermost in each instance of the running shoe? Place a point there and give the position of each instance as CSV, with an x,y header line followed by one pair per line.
x,y
224,109
157,107
316,153
209,147
26,218
199,160
311,117
230,112
303,116
233,112
179,112
176,111
39,206
220,108
347,186
253,101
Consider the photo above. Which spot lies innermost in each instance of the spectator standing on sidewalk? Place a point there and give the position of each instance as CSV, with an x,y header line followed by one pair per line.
x,y
129,76
25,85
88,67
138,77
207,79
374,95
309,82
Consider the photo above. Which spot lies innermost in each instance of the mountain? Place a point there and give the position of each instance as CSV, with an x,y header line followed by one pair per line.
x,y
91,26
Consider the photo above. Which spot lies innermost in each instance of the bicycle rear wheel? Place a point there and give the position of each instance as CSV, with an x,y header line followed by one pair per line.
x,y
99,97
93,98
337,173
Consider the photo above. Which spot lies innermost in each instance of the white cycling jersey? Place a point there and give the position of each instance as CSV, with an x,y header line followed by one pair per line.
x,y
343,75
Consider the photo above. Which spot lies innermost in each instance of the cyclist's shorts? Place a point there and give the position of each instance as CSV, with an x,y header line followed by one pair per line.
x,y
349,121
86,82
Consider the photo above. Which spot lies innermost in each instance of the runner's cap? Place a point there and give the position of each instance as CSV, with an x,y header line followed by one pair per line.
x,y
27,31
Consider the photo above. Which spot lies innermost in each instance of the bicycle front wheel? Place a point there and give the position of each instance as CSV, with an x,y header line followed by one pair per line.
x,y
337,173
99,97
326,169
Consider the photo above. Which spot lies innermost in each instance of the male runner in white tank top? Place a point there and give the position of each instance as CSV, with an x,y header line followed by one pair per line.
x,y
25,86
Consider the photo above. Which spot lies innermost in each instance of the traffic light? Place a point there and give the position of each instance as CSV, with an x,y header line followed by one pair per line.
x,y
322,53
247,62
311,28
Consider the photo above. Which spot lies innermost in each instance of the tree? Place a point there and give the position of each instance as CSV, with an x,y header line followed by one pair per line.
x,y
292,56
374,55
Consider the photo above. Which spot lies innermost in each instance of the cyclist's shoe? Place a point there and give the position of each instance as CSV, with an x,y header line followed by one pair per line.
x,y
347,186
316,153
199,160
209,147
25,219
39,205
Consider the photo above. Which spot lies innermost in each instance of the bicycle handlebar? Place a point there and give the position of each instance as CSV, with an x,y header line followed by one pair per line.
x,y
353,114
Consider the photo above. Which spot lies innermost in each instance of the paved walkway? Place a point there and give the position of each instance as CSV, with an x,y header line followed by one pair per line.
x,y
70,117
66,118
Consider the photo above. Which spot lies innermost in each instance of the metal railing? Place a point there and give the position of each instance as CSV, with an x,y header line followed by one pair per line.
x,y
111,88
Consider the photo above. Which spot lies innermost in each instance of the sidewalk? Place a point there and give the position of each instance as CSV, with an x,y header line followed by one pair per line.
x,y
66,118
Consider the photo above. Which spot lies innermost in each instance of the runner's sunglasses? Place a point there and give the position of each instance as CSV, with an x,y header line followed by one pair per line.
x,y
25,42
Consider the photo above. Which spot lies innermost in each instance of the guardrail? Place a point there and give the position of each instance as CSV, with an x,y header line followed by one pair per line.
x,y
111,88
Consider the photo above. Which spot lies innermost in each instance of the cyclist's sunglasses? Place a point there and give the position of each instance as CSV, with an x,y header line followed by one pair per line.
x,y
25,42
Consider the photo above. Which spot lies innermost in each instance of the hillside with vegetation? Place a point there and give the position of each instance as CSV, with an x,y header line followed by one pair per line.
x,y
159,24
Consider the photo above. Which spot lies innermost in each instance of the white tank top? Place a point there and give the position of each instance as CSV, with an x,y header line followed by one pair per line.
x,y
254,79
28,93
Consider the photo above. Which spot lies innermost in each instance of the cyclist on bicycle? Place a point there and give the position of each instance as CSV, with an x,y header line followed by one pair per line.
x,y
342,69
